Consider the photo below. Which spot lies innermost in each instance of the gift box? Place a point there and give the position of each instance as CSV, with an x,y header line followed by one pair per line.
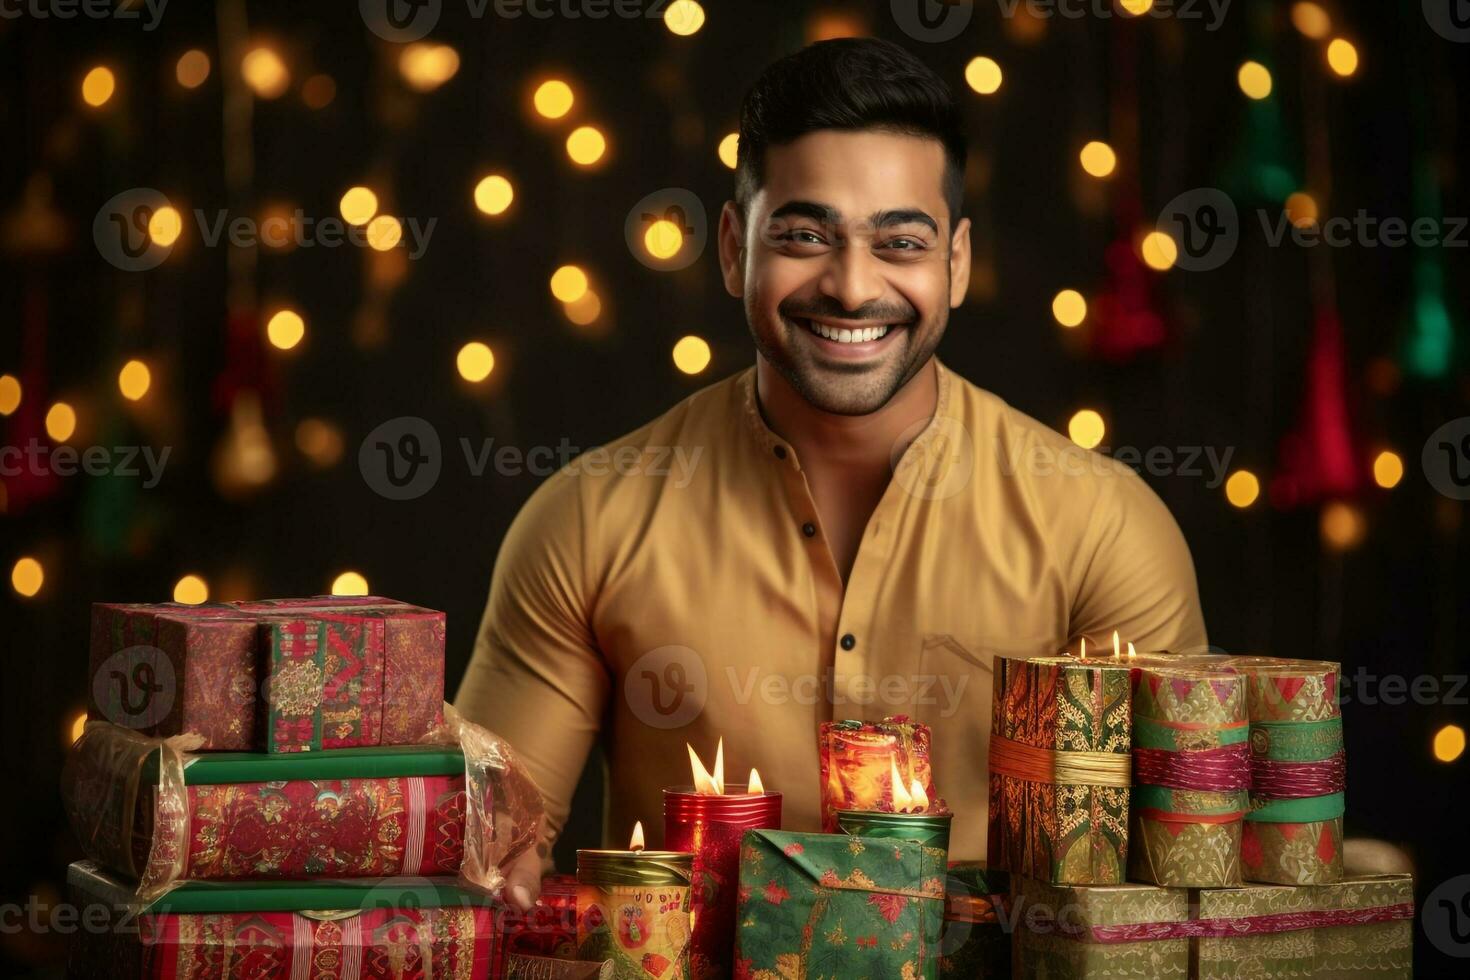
x,y
549,928
335,672
1191,776
858,759
1060,769
520,966
1361,926
974,943
394,930
1293,832
831,905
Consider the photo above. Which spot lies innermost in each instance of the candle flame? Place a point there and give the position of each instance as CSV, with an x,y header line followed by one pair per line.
x,y
1117,651
901,799
1083,655
635,843
704,783
755,785
920,798
1131,652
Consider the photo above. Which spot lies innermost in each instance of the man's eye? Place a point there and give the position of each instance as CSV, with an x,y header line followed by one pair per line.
x,y
803,237
904,244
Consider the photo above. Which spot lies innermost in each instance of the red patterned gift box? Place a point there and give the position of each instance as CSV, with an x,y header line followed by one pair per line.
x,y
549,928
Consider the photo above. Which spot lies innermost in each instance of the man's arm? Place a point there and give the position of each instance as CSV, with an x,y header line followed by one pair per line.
x,y
536,677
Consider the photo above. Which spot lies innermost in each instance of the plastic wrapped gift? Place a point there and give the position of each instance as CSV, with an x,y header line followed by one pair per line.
x,y
858,761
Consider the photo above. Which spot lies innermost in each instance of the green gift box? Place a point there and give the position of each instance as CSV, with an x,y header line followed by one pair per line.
x,y
833,905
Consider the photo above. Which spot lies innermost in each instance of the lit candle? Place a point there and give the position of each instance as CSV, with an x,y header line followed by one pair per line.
x,y
912,818
633,908
709,818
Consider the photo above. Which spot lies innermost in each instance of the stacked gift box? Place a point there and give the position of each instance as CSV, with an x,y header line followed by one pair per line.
x,y
276,789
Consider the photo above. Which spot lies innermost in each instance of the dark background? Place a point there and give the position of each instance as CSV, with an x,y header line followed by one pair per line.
x,y
1230,373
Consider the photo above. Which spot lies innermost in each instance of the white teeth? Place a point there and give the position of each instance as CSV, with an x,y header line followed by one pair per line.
x,y
844,336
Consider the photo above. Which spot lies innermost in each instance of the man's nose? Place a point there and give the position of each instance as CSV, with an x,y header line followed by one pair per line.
x,y
853,277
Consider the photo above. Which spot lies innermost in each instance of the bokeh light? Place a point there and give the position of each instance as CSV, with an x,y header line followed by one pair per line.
x,y
1388,469
350,583
98,85
384,232
1449,743
663,239
426,66
192,68
1342,525
684,17
134,380
1098,159
1158,251
1086,428
586,145
10,393
265,72
493,194
61,422
691,354
1342,57
1069,308
285,329
1311,20
165,225
553,98
983,75
1242,489
358,205
568,283
1254,80
27,576
191,590
475,361
730,150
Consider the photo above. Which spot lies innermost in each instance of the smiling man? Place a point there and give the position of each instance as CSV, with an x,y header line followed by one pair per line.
x,y
867,530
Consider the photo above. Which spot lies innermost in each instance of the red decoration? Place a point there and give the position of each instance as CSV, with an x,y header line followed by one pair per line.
x,y
1124,321
1319,459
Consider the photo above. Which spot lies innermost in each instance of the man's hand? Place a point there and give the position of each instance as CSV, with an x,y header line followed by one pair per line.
x,y
523,875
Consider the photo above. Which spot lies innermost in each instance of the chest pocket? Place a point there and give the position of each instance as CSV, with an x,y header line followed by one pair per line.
x,y
958,679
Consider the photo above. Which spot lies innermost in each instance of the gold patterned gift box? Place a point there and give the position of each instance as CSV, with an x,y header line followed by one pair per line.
x,y
1360,927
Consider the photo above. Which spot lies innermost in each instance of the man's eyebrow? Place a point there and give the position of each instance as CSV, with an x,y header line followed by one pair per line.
x,y
904,216
823,213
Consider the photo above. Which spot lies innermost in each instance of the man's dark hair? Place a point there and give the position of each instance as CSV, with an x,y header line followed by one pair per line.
x,y
848,84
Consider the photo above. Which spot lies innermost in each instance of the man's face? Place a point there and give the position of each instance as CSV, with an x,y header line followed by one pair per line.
x,y
847,264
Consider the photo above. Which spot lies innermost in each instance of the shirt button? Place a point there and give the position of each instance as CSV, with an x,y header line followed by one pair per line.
x,y
848,641
809,529
780,452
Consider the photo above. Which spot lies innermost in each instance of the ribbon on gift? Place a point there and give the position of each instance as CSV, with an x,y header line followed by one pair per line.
x,y
1032,763
1298,771
1247,925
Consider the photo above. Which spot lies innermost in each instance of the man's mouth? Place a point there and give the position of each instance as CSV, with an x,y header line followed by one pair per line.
x,y
858,334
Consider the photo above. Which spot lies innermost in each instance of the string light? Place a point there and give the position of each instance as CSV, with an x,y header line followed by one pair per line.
x,y
350,583
586,145
318,91
983,75
691,354
493,194
165,225
265,72
191,590
1087,429
1342,57
585,311
358,205
663,239
1342,526
1069,308
384,232
1388,469
553,98
61,422
1301,209
568,283
730,150
76,726
98,85
27,576
192,68
1449,743
1311,20
684,17
134,380
1254,79
285,329
10,393
1136,8
475,361
1158,251
1098,159
1242,489
427,66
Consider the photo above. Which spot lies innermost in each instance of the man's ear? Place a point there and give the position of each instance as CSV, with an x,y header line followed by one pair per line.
x,y
732,249
959,263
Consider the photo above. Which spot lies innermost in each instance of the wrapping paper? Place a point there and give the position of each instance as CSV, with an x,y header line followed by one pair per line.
x,y
973,943
1191,776
857,760
825,905
549,928
281,675
1060,769
1359,927
519,966
149,810
1293,834
643,930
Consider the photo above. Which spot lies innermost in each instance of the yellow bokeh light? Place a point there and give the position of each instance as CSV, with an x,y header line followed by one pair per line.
x,y
1136,8
61,422
1388,469
1343,525
1098,159
983,75
265,72
10,392
568,283
134,380
426,66
1242,488
98,86
493,194
165,225
1087,429
76,726
663,239
1158,251
384,232
350,583
1301,209
191,590
1342,57
1310,19
585,311
475,361
586,145
691,354
192,68
358,205
1069,308
285,329
553,98
27,576
1254,79
1449,743
684,17
730,150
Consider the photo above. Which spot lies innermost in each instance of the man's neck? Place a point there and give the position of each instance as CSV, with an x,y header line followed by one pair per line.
x,y
863,443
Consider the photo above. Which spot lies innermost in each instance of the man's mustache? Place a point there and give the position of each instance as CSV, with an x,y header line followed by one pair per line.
x,y
830,309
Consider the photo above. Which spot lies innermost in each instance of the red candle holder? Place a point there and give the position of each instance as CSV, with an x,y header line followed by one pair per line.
x,y
711,826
